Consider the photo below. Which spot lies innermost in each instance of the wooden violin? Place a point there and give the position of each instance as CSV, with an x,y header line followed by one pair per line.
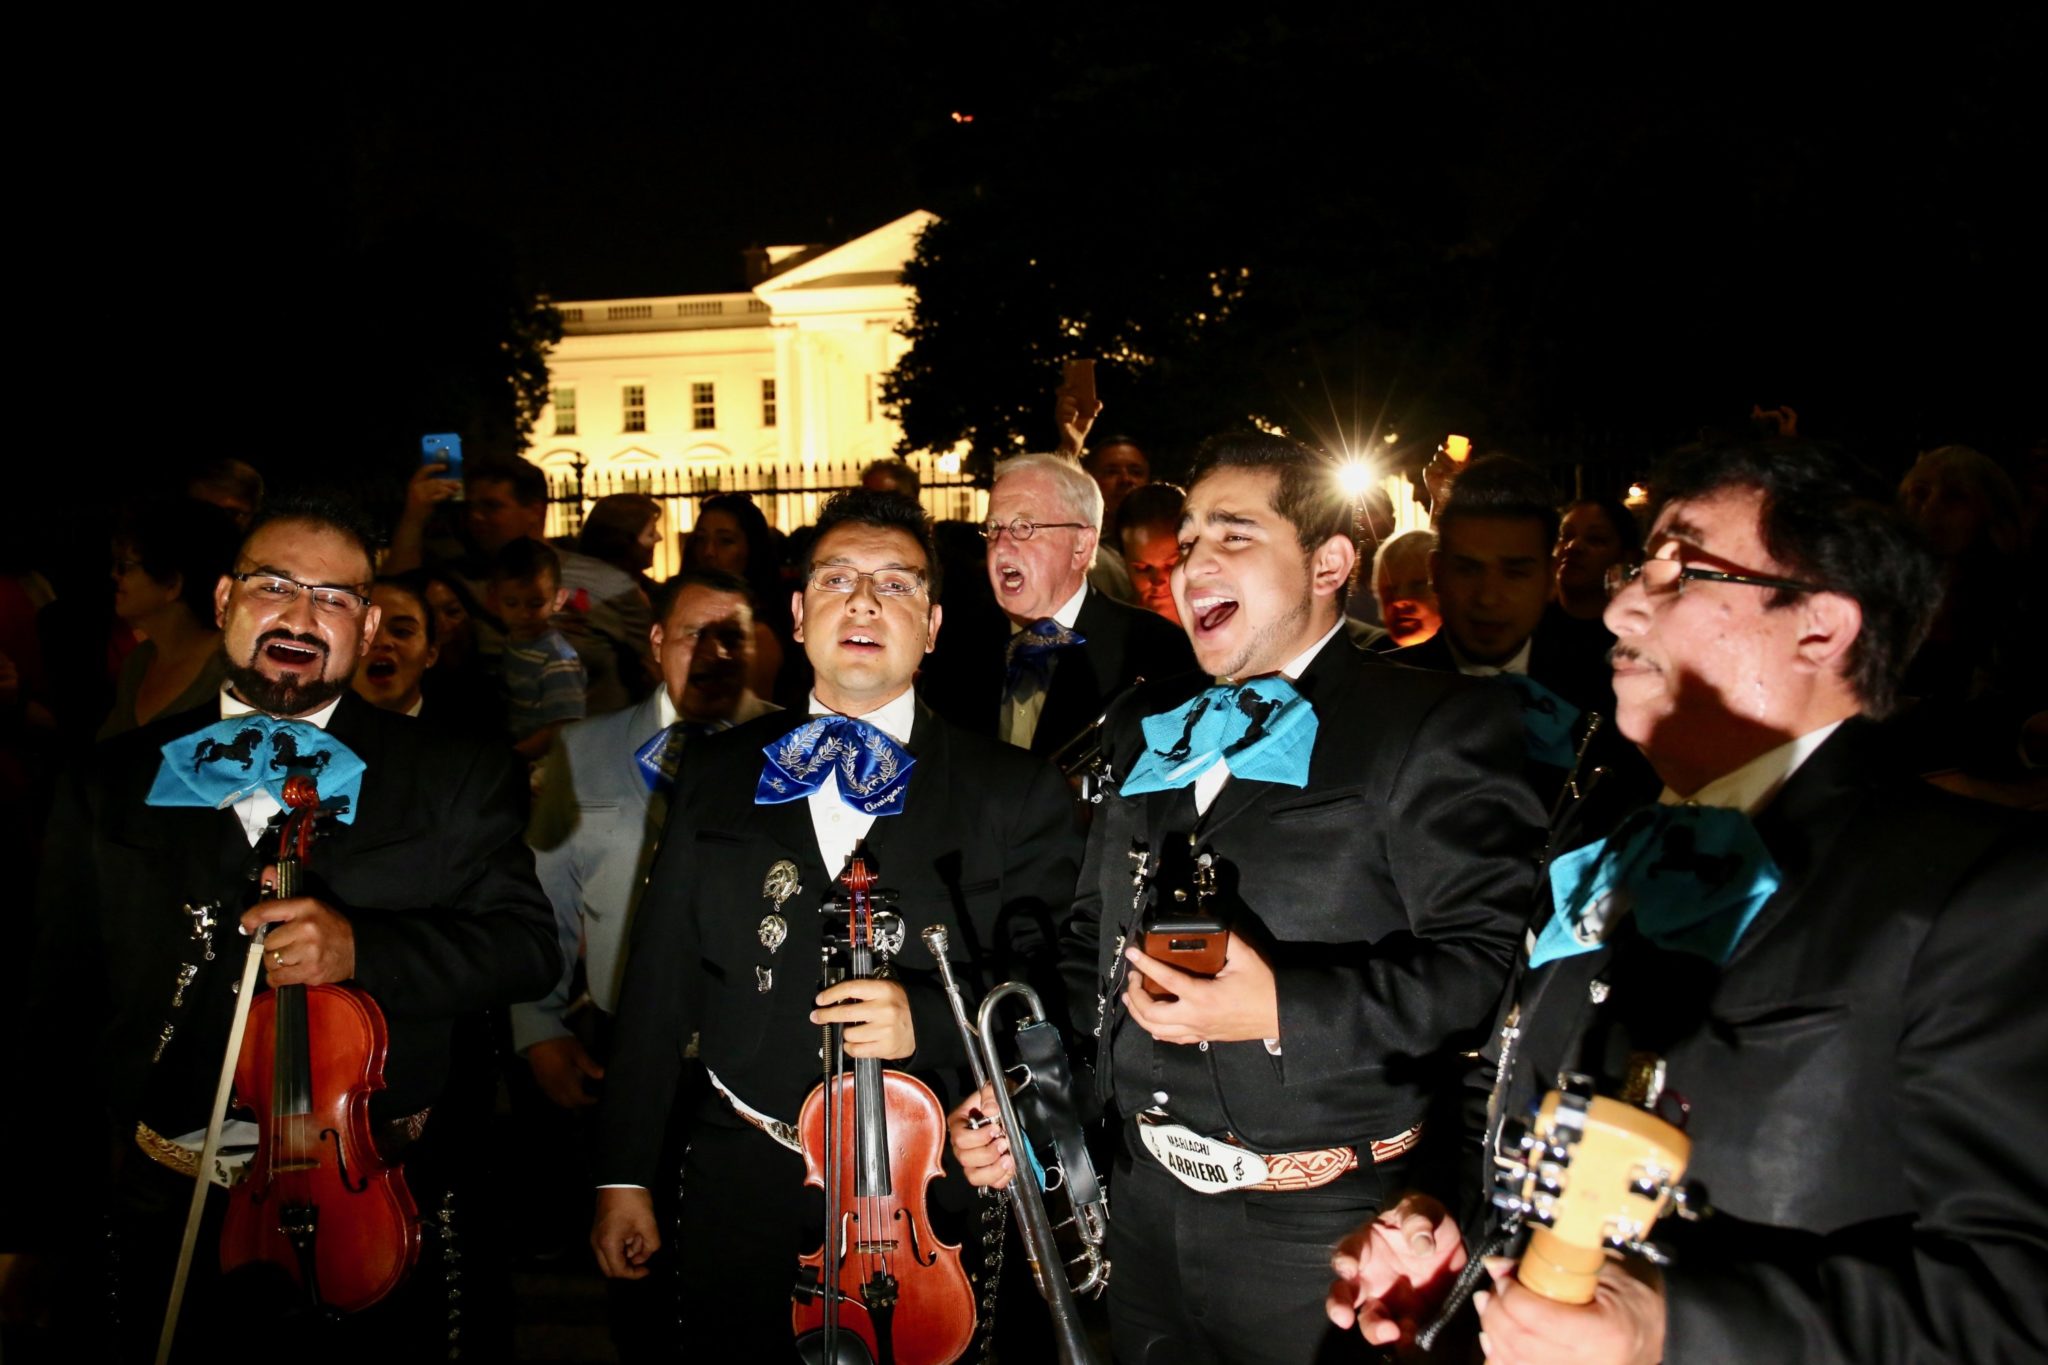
x,y
318,1199
881,1289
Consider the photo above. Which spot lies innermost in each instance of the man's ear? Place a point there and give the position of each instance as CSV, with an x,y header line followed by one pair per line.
x,y
373,617
1084,546
1330,566
1829,624
796,616
220,601
561,600
931,638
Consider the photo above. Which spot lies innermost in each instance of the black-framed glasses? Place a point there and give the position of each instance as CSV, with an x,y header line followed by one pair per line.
x,y
839,578
1022,529
275,590
1661,576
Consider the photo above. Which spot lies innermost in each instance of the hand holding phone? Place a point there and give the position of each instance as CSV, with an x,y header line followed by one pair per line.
x,y
1075,405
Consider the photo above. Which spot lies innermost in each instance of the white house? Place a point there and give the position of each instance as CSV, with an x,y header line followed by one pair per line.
x,y
776,391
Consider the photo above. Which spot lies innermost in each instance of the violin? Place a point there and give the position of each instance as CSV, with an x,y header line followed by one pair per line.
x,y
318,1199
881,1289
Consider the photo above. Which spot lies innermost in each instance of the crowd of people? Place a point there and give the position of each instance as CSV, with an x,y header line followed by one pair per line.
x,y
1724,804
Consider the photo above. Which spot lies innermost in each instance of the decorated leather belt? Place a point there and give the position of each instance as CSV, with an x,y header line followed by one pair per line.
x,y
238,1139
1212,1165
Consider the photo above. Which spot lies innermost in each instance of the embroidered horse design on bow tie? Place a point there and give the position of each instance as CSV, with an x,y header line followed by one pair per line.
x,y
285,756
241,751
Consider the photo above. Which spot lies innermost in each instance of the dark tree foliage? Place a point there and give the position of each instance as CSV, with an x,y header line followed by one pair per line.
x,y
1579,240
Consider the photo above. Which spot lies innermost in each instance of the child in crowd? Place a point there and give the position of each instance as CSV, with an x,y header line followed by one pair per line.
x,y
543,677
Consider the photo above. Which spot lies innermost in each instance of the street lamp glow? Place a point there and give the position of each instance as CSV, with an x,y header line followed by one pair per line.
x,y
1392,438
1354,477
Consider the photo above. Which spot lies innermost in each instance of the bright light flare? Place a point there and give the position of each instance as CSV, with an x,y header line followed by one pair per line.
x,y
949,463
1354,477
1392,438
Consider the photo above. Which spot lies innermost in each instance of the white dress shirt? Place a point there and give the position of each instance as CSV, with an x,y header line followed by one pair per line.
x,y
1019,721
838,826
1518,665
255,811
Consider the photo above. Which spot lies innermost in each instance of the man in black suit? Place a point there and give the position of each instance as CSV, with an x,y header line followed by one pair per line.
x,y
1492,570
1043,675
421,894
1857,1034
1374,881
979,838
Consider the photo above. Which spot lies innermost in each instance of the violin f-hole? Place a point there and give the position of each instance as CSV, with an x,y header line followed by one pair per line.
x,y
341,1163
903,1216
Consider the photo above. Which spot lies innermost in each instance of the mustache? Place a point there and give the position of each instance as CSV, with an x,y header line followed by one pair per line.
x,y
1622,654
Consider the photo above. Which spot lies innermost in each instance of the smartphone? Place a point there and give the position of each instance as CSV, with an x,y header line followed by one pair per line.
x,y
1196,944
1457,449
443,447
1079,381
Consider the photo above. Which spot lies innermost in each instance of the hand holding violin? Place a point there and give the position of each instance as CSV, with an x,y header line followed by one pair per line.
x,y
875,1014
312,944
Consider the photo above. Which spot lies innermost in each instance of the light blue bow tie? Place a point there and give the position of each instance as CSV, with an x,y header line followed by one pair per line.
x,y
233,759
1264,729
873,769
1548,721
1693,877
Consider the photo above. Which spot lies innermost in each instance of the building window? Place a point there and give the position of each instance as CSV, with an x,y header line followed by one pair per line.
x,y
565,412
633,397
767,402
703,405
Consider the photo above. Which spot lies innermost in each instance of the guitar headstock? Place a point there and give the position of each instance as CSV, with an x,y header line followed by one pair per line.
x,y
1591,1174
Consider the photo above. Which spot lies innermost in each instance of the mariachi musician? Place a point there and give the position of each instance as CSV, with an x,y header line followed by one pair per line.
x,y
967,833
1371,844
421,893
1834,968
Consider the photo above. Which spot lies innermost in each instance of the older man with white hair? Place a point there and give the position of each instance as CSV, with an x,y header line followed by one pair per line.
x,y
1069,648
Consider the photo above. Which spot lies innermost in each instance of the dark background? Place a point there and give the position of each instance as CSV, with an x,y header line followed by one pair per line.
x,y
1580,239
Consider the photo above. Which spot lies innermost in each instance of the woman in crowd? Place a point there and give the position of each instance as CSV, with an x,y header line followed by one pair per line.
x,y
732,535
622,530
168,560
399,657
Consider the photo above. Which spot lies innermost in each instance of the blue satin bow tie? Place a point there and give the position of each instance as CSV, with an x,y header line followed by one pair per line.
x,y
1031,650
659,757
1264,729
1548,721
1693,877
231,760
873,769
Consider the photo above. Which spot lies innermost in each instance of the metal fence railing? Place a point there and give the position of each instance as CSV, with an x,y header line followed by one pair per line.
x,y
787,498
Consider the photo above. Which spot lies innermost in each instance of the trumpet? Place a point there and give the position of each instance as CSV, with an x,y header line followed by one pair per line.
x,y
1065,1254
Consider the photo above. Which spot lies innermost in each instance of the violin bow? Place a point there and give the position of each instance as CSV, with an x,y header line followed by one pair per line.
x,y
302,799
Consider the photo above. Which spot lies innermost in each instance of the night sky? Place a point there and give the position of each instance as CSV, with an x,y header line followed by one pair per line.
x,y
214,189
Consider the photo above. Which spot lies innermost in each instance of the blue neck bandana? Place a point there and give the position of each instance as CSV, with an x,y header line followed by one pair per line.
x,y
874,770
1548,721
1028,659
1264,728
1693,877
233,759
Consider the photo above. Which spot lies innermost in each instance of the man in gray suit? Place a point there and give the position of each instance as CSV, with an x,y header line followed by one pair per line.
x,y
603,800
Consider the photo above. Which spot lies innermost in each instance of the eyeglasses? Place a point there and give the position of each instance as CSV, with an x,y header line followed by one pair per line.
x,y
1020,529
275,590
887,582
1661,576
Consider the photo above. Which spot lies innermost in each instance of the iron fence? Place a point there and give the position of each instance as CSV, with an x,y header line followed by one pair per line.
x,y
572,488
